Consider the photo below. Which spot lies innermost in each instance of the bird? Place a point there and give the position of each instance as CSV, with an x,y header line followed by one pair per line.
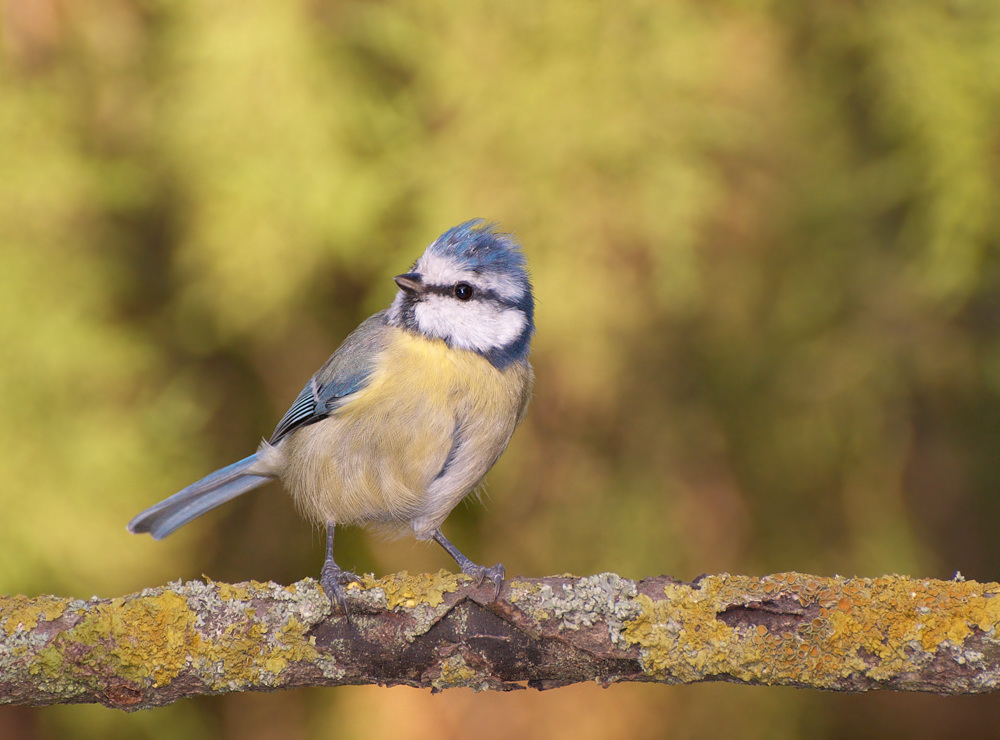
x,y
407,416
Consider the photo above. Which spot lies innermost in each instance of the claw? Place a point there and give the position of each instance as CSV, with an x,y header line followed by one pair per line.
x,y
478,572
333,578
495,574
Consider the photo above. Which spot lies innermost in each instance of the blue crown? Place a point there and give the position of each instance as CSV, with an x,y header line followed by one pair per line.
x,y
482,247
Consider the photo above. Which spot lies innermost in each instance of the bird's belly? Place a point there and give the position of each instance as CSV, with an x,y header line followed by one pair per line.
x,y
358,469
374,458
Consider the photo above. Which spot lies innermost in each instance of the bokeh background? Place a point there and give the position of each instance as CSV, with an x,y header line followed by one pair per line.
x,y
764,239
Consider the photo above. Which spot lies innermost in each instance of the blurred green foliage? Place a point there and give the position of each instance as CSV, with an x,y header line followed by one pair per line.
x,y
764,238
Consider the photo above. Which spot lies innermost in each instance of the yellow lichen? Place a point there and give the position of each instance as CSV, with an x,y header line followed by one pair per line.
x,y
885,618
422,588
245,650
231,591
140,638
681,636
520,588
20,612
456,672
151,639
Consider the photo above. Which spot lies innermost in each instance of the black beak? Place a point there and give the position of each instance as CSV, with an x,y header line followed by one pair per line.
x,y
410,282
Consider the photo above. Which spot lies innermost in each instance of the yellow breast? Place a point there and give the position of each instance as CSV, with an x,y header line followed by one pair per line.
x,y
374,458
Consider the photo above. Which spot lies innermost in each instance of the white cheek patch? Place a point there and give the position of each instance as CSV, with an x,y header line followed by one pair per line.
x,y
479,326
437,270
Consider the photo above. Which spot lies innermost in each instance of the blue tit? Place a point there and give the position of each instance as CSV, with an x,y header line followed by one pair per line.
x,y
405,419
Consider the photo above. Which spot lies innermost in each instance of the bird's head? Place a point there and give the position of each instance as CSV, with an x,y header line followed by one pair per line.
x,y
471,289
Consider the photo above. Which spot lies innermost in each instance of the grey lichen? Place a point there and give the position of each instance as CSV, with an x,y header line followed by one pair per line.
x,y
605,597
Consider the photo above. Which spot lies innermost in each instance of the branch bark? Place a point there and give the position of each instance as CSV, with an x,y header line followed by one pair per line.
x,y
441,631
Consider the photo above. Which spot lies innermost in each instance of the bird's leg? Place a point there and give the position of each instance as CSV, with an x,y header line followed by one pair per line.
x,y
479,572
333,578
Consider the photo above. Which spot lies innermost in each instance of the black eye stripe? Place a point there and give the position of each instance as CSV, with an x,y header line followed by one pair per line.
x,y
478,294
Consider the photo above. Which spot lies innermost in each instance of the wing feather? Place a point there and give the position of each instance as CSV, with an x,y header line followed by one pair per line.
x,y
346,372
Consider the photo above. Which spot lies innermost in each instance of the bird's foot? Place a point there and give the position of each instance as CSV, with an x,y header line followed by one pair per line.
x,y
334,581
482,573
479,572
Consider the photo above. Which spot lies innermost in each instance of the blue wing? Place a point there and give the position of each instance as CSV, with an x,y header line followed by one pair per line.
x,y
347,371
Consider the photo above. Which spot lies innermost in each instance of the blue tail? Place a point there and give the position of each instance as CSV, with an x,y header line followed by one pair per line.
x,y
213,490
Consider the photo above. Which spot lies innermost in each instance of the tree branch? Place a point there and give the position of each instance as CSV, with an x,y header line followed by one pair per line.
x,y
440,631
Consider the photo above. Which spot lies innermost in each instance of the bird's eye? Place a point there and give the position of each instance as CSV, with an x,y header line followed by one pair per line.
x,y
463,291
